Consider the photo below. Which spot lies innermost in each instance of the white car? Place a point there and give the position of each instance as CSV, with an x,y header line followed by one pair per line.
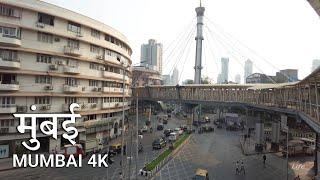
x,y
173,136
178,130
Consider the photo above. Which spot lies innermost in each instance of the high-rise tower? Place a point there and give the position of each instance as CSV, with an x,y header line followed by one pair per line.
x,y
199,38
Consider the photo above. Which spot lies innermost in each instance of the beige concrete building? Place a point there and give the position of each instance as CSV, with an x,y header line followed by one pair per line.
x,y
51,57
144,76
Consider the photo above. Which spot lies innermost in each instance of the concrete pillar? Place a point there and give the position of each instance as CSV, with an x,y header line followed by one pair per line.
x,y
317,157
275,136
259,136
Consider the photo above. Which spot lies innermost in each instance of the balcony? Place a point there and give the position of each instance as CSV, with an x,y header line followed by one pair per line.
x,y
9,87
71,70
108,74
8,109
72,51
72,89
10,40
83,107
10,64
108,105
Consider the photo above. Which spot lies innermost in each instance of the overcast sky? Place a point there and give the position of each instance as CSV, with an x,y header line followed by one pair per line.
x,y
279,33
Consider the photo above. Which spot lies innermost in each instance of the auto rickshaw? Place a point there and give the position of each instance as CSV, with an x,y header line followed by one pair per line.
x,y
201,174
116,148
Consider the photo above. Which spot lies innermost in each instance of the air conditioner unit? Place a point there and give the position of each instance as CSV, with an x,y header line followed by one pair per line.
x,y
48,87
45,107
83,88
40,25
57,39
53,67
93,105
100,57
99,89
95,89
83,106
21,109
60,62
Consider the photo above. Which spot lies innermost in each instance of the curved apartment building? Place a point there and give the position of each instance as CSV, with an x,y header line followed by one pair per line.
x,y
52,57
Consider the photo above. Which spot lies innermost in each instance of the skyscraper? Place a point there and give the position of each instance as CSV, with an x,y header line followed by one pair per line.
x,y
247,69
151,55
315,64
175,76
237,79
224,70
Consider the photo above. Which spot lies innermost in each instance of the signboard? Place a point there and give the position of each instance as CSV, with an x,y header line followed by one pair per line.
x,y
4,151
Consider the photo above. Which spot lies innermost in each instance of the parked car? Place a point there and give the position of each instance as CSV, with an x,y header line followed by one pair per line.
x,y
159,143
74,150
167,132
178,130
160,127
184,127
173,136
144,129
165,121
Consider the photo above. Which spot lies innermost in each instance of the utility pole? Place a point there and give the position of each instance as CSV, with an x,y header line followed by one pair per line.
x,y
137,134
122,125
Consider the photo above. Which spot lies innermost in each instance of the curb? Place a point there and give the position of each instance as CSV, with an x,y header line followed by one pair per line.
x,y
8,169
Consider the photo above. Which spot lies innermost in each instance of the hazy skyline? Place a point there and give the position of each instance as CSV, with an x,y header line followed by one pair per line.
x,y
285,32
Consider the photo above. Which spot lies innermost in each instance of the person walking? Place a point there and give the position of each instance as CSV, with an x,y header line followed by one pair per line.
x,y
237,167
264,159
242,170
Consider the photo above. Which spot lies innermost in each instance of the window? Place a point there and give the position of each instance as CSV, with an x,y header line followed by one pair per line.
x,y
95,33
92,117
43,79
42,100
92,100
8,55
10,32
7,101
94,66
95,49
45,37
46,19
74,27
94,83
71,81
9,11
73,43
43,58
70,100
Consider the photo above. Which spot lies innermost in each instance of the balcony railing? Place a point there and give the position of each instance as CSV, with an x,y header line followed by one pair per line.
x,y
13,86
73,51
71,69
10,64
10,40
8,109
72,89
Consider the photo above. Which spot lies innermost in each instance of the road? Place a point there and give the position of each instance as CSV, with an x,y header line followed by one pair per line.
x,y
218,152
88,172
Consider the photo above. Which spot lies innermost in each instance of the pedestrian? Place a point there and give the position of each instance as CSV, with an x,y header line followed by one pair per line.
x,y
264,159
237,167
297,177
242,170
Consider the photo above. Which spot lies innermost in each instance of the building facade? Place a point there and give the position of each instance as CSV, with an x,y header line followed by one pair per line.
x,y
237,79
247,69
175,76
223,77
315,64
166,79
143,76
151,55
51,57
287,75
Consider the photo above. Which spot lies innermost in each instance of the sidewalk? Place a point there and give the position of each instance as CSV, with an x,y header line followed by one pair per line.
x,y
6,164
